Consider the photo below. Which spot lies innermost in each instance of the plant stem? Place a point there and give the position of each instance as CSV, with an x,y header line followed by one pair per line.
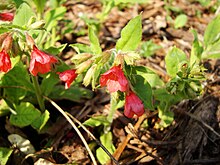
x,y
38,93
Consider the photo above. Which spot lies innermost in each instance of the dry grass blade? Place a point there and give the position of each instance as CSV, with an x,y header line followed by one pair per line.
x,y
74,127
97,141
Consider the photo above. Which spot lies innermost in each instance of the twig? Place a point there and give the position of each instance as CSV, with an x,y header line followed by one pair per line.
x,y
122,145
74,127
206,125
97,141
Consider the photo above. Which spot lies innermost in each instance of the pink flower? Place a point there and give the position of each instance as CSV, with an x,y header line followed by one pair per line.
x,y
114,79
5,62
133,105
68,77
40,62
6,16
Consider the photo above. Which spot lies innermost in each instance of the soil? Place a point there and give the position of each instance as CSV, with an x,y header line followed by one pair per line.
x,y
193,137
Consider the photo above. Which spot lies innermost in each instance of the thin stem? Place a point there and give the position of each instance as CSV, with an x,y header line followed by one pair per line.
x,y
74,127
38,93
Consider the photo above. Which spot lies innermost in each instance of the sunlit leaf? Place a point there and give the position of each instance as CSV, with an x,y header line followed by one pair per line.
x,y
4,155
130,35
26,113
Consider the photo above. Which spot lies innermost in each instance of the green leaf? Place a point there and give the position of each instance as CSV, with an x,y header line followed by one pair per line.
x,y
174,57
166,117
4,155
40,5
40,122
130,35
94,41
96,121
212,33
180,21
53,16
75,94
106,140
56,50
149,75
148,48
212,51
166,100
197,49
26,114
143,89
17,82
48,83
81,48
23,14
4,108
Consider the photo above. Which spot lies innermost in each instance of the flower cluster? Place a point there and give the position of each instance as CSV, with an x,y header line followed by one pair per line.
x,y
40,62
115,80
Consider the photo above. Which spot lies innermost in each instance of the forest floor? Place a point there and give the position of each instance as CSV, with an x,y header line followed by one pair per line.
x,y
192,138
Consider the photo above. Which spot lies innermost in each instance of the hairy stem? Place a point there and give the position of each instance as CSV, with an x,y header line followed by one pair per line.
x,y
38,93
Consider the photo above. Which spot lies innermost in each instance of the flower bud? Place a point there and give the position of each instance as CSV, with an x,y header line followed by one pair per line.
x,y
15,49
89,74
30,41
79,58
83,66
105,56
7,43
2,37
37,25
130,57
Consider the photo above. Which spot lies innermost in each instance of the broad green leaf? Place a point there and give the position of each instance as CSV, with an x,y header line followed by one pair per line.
x,y
40,5
94,41
53,16
130,35
40,122
106,140
17,82
212,33
149,75
26,114
4,108
48,83
23,14
81,48
75,94
174,57
166,117
166,100
96,121
212,51
56,50
180,21
143,89
5,154
195,55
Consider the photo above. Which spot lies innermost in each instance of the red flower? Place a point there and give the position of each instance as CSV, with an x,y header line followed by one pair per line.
x,y
5,62
114,79
68,77
133,105
6,16
40,62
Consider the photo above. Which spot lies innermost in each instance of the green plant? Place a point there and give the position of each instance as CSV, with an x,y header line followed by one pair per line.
x,y
30,74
